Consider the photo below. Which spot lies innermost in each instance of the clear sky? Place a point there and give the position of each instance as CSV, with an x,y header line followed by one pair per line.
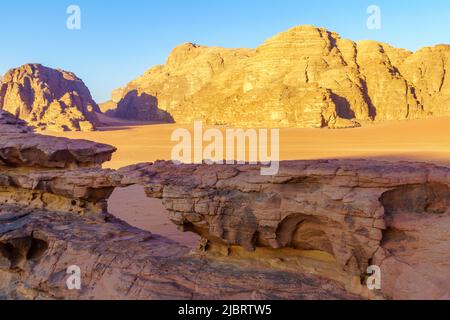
x,y
120,39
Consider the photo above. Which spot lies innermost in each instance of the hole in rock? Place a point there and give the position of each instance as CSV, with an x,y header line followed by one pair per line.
x,y
19,251
133,206
300,232
6,253
432,198
37,249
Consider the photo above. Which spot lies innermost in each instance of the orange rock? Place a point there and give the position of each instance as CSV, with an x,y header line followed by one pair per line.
x,y
48,99
304,77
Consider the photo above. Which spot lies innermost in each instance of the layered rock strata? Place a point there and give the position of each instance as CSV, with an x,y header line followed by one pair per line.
x,y
344,215
39,171
310,232
120,262
53,215
304,77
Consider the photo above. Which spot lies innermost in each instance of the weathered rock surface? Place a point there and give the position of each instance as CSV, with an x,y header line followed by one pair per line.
x,y
309,232
141,107
355,213
189,68
120,262
39,171
10,124
83,191
48,99
53,214
304,77
21,147
44,151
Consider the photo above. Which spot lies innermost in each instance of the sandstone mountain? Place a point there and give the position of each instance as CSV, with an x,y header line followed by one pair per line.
x,y
48,99
304,77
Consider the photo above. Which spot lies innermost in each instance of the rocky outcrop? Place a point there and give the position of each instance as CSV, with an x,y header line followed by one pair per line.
x,y
428,70
304,77
121,262
32,150
11,125
54,216
141,107
57,174
310,232
48,99
343,215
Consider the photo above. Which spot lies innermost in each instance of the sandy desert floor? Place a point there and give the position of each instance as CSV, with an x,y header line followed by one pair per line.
x,y
412,140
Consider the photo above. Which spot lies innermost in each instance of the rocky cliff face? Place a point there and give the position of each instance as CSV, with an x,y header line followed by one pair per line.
x,y
304,77
308,233
188,69
48,99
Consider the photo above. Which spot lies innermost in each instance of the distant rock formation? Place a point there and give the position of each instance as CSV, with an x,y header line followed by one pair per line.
x,y
188,69
48,99
141,107
304,77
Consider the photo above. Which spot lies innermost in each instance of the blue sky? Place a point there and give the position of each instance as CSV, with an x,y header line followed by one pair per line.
x,y
120,39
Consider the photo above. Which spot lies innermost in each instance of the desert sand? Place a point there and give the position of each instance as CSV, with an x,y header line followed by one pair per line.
x,y
412,140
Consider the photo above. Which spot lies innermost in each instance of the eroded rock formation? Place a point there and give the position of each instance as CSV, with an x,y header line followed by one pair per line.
x,y
53,214
121,262
309,232
39,171
48,99
304,77
344,215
